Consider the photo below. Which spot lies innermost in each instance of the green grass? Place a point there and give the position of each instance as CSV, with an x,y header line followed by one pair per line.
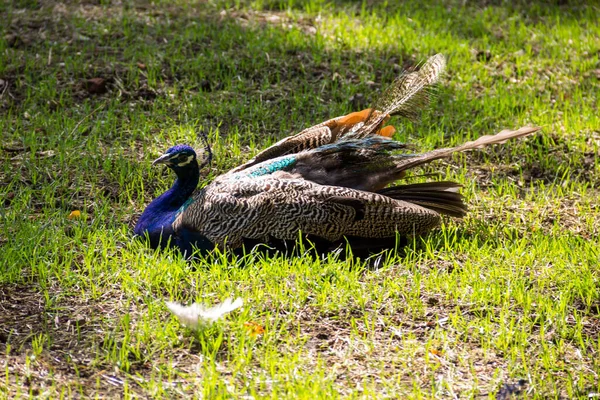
x,y
509,294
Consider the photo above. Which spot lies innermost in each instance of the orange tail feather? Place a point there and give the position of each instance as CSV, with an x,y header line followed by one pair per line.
x,y
387,131
354,118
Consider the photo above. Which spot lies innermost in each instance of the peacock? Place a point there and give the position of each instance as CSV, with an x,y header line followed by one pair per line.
x,y
328,182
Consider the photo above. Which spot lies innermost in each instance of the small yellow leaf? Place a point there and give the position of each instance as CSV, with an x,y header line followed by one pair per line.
x,y
436,352
74,214
253,328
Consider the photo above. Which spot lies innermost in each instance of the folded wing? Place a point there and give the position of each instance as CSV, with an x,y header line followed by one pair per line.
x,y
406,97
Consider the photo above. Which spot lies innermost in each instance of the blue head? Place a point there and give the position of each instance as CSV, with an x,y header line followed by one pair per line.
x,y
180,158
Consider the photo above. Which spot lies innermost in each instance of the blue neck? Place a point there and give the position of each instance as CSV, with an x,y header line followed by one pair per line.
x,y
157,219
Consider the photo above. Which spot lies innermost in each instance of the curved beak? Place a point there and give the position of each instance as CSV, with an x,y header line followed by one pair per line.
x,y
164,159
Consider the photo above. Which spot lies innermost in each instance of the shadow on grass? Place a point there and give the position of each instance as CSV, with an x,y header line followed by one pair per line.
x,y
354,251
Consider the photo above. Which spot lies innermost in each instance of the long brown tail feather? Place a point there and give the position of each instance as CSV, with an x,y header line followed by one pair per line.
x,y
500,137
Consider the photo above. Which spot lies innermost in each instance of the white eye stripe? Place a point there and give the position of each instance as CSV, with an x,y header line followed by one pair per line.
x,y
186,162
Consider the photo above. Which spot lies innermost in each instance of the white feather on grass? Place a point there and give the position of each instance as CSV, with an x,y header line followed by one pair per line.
x,y
197,316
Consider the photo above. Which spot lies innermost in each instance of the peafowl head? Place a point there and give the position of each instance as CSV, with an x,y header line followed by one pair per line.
x,y
179,158
182,158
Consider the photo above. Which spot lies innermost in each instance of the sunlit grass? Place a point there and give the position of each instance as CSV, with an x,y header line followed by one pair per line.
x,y
509,294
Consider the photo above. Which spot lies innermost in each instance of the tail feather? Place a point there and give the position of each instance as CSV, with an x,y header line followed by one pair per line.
x,y
442,197
373,163
410,92
500,137
359,164
406,96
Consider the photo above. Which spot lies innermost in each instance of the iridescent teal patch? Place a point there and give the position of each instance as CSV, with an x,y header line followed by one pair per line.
x,y
183,207
270,167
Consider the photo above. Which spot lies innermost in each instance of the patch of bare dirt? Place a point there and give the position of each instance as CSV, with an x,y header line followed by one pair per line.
x,y
401,347
38,342
50,347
